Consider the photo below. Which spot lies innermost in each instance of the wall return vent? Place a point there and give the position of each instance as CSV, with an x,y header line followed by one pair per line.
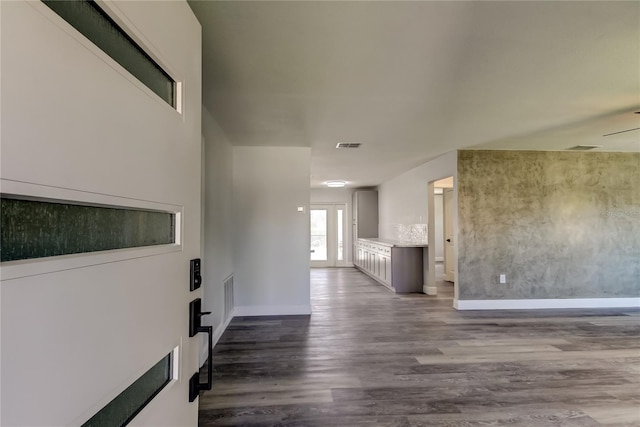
x,y
348,145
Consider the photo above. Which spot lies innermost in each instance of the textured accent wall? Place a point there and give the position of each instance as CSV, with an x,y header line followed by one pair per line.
x,y
558,224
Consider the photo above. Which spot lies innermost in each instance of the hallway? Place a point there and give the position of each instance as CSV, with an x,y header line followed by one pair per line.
x,y
367,357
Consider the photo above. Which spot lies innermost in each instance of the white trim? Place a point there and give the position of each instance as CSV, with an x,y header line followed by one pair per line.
x,y
216,337
430,290
531,304
175,361
112,394
35,266
439,259
272,310
332,244
114,12
347,265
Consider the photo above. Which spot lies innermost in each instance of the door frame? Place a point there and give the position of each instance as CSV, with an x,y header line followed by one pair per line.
x,y
332,228
430,287
447,220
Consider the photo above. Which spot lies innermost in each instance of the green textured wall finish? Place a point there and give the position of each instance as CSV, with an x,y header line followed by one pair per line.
x,y
35,229
558,224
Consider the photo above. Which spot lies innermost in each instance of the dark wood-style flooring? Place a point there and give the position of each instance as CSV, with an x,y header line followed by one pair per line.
x,y
367,357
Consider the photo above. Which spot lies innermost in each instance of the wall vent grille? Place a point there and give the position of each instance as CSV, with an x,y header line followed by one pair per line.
x,y
228,297
348,145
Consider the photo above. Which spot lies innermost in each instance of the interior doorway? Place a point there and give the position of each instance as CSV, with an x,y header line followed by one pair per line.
x,y
441,262
327,228
449,253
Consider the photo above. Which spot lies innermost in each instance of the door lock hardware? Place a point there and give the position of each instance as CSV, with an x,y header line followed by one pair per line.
x,y
195,278
195,326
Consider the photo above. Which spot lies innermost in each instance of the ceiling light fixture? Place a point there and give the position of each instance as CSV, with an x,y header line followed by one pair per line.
x,y
336,184
583,147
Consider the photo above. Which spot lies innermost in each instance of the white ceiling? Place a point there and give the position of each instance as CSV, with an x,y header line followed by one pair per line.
x,y
413,80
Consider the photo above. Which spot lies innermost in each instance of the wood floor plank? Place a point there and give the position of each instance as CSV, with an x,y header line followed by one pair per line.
x,y
513,341
480,357
310,382
266,398
492,349
616,321
368,357
617,414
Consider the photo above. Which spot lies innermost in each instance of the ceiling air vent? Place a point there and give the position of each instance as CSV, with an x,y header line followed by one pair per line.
x,y
348,145
584,147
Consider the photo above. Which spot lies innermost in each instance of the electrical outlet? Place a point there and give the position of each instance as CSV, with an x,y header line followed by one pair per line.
x,y
503,279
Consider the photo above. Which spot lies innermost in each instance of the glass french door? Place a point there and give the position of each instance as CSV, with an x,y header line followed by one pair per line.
x,y
327,225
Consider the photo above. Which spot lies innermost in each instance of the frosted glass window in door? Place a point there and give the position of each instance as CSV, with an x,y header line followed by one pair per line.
x,y
125,406
318,219
45,228
96,25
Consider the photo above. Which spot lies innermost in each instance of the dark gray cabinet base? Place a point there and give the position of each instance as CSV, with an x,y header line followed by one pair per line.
x,y
399,268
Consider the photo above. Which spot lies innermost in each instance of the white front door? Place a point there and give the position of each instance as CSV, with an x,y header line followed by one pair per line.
x,y
327,226
81,131
449,253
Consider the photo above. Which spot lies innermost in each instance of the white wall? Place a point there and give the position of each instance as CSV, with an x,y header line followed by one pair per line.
x,y
332,195
217,260
338,195
271,239
78,329
403,199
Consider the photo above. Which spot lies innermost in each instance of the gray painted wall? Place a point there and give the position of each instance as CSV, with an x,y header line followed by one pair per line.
x,y
217,259
271,238
558,224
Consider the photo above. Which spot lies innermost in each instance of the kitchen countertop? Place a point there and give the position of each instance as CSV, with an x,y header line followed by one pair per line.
x,y
394,243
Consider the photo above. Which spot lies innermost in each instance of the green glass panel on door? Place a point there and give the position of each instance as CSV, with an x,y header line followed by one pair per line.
x,y
36,229
124,407
97,26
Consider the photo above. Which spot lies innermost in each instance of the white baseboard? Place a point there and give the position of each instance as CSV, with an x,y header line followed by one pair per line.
x,y
272,310
430,290
440,258
216,337
536,304
345,265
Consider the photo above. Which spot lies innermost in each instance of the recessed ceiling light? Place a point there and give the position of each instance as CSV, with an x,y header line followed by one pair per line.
x,y
336,184
348,145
